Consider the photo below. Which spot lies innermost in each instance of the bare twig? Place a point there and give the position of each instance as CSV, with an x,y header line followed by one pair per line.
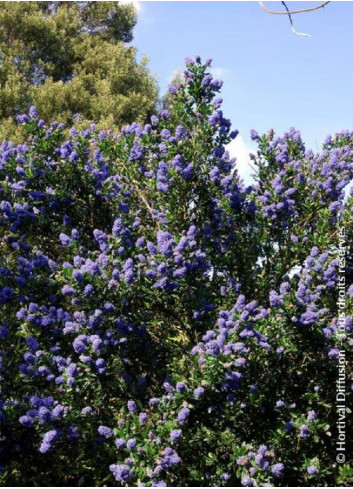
x,y
292,12
291,22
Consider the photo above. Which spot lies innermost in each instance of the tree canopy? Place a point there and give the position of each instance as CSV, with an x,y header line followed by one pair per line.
x,y
70,60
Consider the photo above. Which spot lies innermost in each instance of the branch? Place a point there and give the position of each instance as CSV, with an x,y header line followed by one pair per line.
x,y
141,195
292,12
291,22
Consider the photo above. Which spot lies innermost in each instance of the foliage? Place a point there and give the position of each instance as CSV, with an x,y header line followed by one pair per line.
x,y
69,60
161,322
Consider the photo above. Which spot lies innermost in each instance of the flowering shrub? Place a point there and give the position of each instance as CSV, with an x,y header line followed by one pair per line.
x,y
161,322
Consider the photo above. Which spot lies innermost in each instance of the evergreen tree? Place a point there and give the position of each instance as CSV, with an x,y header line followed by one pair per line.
x,y
70,60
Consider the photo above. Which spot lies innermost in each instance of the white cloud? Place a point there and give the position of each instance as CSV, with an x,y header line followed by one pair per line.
x,y
175,73
136,3
240,150
144,17
218,72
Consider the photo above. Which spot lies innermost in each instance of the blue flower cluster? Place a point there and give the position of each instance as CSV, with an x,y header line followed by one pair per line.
x,y
161,322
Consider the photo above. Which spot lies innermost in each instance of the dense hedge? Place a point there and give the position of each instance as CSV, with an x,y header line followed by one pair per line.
x,y
161,323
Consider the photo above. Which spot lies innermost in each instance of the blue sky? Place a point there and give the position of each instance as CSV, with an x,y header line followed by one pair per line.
x,y
272,78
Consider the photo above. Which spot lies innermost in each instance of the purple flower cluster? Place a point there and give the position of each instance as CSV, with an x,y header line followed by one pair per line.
x,y
121,473
156,308
259,464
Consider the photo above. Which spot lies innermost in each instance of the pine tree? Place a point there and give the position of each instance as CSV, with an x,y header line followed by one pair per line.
x,y
70,60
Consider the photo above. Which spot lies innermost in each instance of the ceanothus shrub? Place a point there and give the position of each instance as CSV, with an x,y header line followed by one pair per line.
x,y
161,322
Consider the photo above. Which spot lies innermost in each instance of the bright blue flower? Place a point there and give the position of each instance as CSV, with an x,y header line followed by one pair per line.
x,y
198,392
183,415
154,401
121,473
311,416
275,299
304,431
67,290
277,469
120,443
131,444
289,426
180,387
131,405
26,421
49,438
87,410
105,431
143,418
247,481
32,112
65,239
175,435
